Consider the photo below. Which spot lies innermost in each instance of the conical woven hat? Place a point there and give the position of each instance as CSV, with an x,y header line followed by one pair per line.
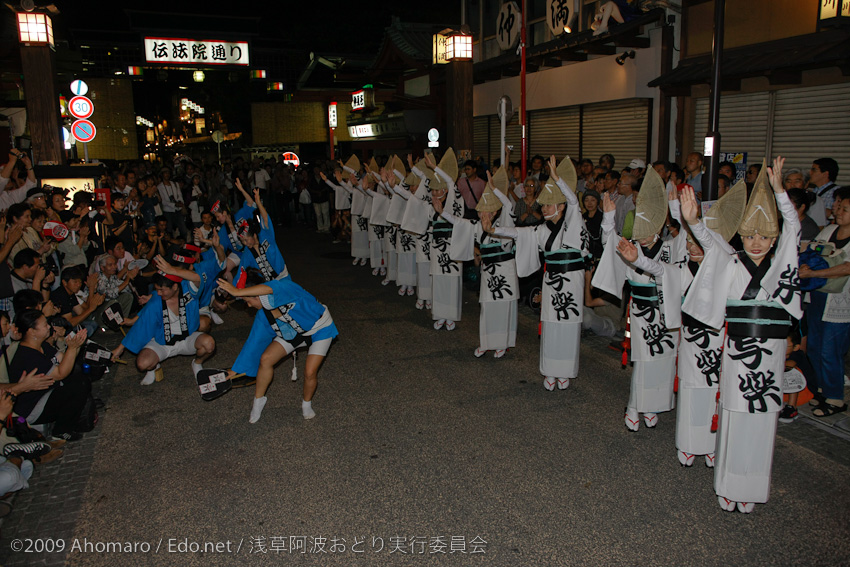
x,y
650,207
501,181
550,194
397,164
449,164
760,216
373,166
411,180
567,171
353,163
488,203
435,182
725,215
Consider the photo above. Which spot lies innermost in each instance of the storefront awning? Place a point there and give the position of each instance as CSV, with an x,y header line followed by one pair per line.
x,y
781,61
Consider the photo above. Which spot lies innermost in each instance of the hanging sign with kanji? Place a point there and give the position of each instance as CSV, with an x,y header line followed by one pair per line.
x,y
196,52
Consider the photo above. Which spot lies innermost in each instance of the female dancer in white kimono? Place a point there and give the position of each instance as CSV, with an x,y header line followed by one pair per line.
x,y
701,347
405,241
499,291
359,225
446,280
564,242
654,321
415,221
762,295
379,194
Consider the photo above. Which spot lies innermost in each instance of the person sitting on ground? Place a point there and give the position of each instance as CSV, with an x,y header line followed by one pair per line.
x,y
115,288
71,307
66,394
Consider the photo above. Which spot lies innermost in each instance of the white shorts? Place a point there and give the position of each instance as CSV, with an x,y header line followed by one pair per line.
x,y
186,347
319,347
233,257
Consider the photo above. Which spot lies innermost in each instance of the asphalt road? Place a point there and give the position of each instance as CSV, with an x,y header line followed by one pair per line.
x,y
421,454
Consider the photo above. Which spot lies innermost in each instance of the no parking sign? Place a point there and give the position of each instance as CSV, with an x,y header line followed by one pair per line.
x,y
83,131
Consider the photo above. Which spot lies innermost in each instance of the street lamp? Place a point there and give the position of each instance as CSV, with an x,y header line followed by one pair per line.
x,y
198,76
459,47
35,29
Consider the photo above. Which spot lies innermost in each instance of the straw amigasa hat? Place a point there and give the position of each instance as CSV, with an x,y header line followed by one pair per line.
x,y
650,207
411,180
449,164
353,163
567,171
726,213
550,194
373,166
489,202
397,164
760,216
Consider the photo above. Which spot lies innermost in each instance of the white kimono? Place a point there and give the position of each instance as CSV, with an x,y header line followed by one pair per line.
x,y
359,225
499,293
757,306
653,322
565,247
405,242
415,221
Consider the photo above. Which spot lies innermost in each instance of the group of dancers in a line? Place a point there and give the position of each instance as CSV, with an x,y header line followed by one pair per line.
x,y
177,319
716,317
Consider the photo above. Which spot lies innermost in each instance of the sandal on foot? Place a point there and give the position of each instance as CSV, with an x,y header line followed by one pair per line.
x,y
686,459
746,507
650,420
500,353
826,410
420,304
479,352
726,504
631,419
563,383
549,383
709,460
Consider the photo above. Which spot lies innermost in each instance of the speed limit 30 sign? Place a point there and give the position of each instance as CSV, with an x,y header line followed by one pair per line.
x,y
80,107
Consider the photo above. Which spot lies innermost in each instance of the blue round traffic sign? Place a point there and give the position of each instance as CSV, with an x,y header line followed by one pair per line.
x,y
83,131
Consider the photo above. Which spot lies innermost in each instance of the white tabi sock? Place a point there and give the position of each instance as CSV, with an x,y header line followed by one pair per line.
x,y
216,318
150,377
196,367
307,410
257,410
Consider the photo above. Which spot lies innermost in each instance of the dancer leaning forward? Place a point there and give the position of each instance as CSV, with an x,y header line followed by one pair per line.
x,y
287,318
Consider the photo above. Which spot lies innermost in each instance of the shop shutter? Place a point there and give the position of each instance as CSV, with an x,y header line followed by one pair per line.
x,y
743,125
481,136
513,137
554,132
812,123
620,128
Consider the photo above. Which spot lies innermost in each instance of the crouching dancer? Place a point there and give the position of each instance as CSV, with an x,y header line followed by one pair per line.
x,y
171,318
287,318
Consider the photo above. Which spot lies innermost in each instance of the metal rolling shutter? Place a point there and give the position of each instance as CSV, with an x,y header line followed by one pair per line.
x,y
812,123
480,136
620,128
554,131
743,124
513,137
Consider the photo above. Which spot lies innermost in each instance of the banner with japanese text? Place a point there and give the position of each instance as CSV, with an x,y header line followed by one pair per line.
x,y
196,52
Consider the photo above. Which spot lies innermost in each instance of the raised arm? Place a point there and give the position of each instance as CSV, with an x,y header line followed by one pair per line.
x,y
630,253
609,210
248,198
264,214
569,192
167,268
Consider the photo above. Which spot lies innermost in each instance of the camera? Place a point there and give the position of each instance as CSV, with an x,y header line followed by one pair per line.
x,y
50,266
97,204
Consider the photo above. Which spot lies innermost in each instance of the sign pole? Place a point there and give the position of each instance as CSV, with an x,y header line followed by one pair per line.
x,y
86,152
332,143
